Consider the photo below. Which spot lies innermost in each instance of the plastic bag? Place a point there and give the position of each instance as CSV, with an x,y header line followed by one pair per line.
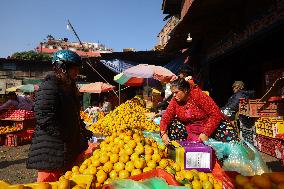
x,y
153,183
154,136
157,120
239,156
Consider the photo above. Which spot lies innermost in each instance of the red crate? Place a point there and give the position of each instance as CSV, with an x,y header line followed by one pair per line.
x,y
19,138
25,124
17,114
271,108
243,106
2,140
270,146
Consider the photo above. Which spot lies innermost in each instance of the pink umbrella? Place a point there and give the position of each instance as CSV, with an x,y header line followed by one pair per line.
x,y
97,87
150,71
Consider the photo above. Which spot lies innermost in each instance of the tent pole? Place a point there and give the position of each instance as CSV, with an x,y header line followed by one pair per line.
x,y
119,92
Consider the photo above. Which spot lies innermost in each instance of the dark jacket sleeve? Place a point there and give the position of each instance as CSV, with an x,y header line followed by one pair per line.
x,y
234,100
46,107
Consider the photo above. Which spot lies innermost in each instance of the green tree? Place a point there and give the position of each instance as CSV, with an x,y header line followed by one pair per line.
x,y
31,55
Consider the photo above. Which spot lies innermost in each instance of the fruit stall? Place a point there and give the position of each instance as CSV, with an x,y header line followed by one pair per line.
x,y
16,127
132,155
267,130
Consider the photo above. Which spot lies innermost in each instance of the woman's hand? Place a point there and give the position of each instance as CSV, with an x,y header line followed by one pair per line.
x,y
165,138
203,137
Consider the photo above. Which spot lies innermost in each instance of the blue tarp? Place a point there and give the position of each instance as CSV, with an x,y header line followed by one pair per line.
x,y
175,64
118,66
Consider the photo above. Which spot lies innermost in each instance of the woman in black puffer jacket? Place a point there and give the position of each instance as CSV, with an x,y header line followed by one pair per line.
x,y
59,135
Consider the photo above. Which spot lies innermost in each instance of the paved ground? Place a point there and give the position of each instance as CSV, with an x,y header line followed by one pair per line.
x,y
13,166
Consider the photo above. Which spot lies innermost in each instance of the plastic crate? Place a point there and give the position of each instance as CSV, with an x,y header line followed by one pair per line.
x,y
270,126
17,114
19,138
272,108
243,106
2,140
270,146
150,174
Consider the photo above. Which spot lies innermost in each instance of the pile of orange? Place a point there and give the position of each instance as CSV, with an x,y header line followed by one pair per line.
x,y
121,155
129,115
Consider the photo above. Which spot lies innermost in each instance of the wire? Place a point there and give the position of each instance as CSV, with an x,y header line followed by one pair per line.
x,y
88,59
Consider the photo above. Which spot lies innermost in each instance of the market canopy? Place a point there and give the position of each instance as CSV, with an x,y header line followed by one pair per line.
x,y
97,87
122,79
150,71
29,88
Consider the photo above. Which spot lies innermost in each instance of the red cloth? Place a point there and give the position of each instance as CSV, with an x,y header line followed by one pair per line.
x,y
200,114
48,176
54,175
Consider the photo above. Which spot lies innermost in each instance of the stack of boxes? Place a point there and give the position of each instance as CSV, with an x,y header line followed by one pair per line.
x,y
268,129
23,120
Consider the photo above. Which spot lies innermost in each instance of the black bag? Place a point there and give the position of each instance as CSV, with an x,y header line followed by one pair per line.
x,y
226,132
177,131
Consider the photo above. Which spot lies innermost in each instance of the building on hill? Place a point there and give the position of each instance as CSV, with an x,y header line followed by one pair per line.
x,y
85,50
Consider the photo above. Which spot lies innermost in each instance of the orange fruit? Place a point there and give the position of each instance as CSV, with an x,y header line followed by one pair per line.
x,y
129,166
261,181
92,170
75,169
123,174
101,176
152,164
127,138
163,163
241,180
118,166
134,156
148,150
147,157
104,158
120,144
147,169
82,168
68,174
132,144
139,163
124,158
43,185
96,162
114,158
128,150
115,150
139,149
156,157
63,184
108,167
113,174
136,172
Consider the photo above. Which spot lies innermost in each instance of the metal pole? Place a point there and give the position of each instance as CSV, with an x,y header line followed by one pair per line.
x,y
119,94
88,60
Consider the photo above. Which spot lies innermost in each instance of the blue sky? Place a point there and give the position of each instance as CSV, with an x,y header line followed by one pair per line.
x,y
116,23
